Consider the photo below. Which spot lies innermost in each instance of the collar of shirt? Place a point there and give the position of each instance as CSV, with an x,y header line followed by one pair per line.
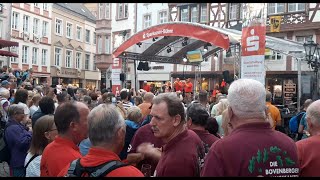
x,y
98,156
253,126
174,141
66,142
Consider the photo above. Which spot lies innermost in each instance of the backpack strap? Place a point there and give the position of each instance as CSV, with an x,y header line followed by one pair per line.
x,y
75,169
32,158
107,168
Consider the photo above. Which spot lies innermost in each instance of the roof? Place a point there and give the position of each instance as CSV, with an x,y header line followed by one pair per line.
x,y
78,8
6,43
170,35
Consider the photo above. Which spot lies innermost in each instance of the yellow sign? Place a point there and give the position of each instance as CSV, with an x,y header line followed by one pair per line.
x,y
275,22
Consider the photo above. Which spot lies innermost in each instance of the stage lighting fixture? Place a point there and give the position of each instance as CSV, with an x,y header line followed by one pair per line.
x,y
139,44
169,49
154,39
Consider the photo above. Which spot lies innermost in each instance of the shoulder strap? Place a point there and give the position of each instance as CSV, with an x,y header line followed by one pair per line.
x,y
32,158
107,168
75,169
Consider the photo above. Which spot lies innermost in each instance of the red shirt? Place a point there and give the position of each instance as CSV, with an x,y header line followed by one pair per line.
x,y
57,155
181,156
206,137
146,87
188,87
97,156
309,157
252,149
178,85
145,134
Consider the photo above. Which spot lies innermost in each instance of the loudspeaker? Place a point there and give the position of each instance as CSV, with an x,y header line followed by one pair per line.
x,y
146,66
225,75
122,77
140,66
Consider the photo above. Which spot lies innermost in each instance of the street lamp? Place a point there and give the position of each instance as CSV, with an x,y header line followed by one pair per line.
x,y
312,51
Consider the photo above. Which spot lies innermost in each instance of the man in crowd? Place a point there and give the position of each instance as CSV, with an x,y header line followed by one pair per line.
x,y
308,149
146,87
46,106
183,150
81,92
203,99
124,95
71,122
107,133
253,148
177,85
273,110
145,106
188,90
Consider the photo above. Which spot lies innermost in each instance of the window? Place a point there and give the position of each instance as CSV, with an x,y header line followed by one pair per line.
x,y
87,60
1,24
194,14
59,27
272,55
57,56
26,23
44,57
79,33
107,11
94,63
107,45
303,39
94,38
69,30
296,7
13,59
78,60
99,44
147,20
15,20
36,4
184,14
44,28
68,58
35,26
122,10
45,6
163,17
25,50
100,10
203,13
275,8
233,11
87,36
34,55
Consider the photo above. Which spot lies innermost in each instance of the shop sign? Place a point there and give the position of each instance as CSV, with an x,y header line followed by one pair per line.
x,y
115,75
158,67
68,72
289,90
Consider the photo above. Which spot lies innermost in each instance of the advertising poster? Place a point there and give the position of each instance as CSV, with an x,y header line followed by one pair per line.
x,y
115,76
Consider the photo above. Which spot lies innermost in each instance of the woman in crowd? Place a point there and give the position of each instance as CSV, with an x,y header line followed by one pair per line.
x,y
34,104
213,127
21,97
44,132
221,106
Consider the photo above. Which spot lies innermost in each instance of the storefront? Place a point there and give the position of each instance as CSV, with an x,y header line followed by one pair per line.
x,y
91,79
66,76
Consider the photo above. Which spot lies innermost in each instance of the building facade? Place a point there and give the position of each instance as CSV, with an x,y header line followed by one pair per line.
x,y
73,46
31,27
5,9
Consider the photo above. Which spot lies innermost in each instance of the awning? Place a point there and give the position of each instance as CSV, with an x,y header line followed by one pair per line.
x,y
6,43
8,53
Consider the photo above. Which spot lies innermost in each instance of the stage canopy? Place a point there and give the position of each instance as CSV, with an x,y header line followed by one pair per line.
x,y
6,43
170,42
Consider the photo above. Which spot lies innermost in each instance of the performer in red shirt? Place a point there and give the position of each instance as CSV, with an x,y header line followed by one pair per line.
x,y
146,87
177,85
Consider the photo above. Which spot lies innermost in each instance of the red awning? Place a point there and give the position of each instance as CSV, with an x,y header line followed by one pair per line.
x,y
6,43
8,53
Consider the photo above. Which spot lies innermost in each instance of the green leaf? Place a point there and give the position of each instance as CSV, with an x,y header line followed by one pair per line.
x,y
260,170
265,155
289,162
251,165
279,160
259,156
284,152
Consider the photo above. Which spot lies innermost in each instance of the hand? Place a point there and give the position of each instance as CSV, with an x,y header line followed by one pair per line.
x,y
146,148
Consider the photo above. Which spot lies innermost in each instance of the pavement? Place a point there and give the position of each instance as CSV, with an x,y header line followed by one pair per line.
x,y
4,170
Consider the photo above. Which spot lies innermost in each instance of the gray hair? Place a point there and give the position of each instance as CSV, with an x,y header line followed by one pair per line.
x,y
134,114
313,112
15,109
268,96
103,122
5,93
247,98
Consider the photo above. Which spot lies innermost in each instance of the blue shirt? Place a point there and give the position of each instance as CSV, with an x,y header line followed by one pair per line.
x,y
303,122
84,146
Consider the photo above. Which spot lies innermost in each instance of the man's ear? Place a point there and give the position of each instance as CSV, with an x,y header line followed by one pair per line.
x,y
73,126
189,122
230,112
176,120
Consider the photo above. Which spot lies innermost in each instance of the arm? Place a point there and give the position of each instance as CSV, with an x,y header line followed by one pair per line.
x,y
134,158
148,150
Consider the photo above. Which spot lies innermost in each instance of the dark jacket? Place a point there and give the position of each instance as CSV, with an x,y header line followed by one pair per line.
x,y
18,139
131,129
36,115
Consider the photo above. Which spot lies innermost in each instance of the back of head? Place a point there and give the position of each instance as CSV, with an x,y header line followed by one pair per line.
x,y
87,99
247,98
174,104
148,97
5,93
36,98
61,97
307,103
39,141
103,122
198,114
124,94
313,112
21,96
63,118
82,91
222,105
94,96
134,114
46,105
107,97
15,109
203,96
212,126
268,96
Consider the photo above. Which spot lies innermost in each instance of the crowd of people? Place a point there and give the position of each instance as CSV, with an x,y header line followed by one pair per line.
x,y
67,132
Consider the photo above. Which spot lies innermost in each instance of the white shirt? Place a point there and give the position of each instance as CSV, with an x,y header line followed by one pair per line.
x,y
25,108
33,169
33,109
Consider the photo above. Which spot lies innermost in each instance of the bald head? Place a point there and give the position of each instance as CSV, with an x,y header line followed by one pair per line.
x,y
313,113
